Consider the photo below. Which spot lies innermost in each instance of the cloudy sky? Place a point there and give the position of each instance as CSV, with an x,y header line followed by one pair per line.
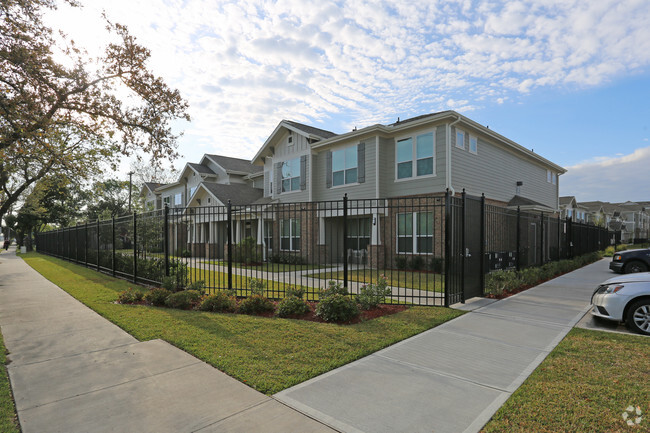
x,y
567,78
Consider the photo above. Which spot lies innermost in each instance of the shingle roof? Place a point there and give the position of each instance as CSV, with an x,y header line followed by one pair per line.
x,y
311,130
566,199
200,168
238,194
235,164
153,185
523,201
399,122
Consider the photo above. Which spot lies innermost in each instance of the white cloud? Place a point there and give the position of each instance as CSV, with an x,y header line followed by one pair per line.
x,y
246,64
614,179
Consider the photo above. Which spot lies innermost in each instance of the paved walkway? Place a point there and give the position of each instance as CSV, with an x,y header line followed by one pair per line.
x,y
73,371
454,377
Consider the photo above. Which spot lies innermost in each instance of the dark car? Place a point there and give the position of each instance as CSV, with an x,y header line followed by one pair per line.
x,y
630,261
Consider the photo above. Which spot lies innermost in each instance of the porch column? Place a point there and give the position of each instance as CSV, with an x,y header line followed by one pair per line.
x,y
321,231
375,238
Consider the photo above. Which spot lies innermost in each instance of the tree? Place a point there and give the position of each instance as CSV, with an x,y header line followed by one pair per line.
x,y
109,198
47,107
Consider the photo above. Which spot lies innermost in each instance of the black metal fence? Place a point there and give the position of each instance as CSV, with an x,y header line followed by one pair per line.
x,y
432,250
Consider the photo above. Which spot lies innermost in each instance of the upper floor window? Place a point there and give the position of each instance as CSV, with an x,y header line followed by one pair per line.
x,y
290,172
415,156
344,166
178,198
473,144
554,179
192,190
460,139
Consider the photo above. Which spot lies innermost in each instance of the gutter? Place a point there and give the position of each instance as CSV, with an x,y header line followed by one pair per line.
x,y
448,171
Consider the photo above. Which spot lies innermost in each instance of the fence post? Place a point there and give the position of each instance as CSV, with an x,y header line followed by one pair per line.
x,y
135,247
541,241
86,244
464,248
482,249
98,244
447,261
113,245
166,240
559,237
229,225
518,238
345,237
569,235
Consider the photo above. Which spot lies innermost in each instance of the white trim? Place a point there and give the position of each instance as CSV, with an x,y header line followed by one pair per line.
x,y
461,131
414,159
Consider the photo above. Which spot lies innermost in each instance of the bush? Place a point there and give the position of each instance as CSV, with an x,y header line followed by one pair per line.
x,y
417,263
371,295
130,296
183,300
169,283
333,288
185,253
220,302
437,264
337,308
246,251
297,292
292,306
157,297
256,304
287,259
401,262
199,286
257,286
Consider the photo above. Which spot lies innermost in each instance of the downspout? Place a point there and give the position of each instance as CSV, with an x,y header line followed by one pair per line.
x,y
448,171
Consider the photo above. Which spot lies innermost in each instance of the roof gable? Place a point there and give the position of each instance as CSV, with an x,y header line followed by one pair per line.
x,y
309,132
233,165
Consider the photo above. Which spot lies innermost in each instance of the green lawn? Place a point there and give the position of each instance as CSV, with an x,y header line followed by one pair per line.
x,y
268,354
584,385
8,418
266,266
405,279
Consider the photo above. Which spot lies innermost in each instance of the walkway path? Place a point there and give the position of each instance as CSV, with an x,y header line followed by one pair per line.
x,y
73,371
454,377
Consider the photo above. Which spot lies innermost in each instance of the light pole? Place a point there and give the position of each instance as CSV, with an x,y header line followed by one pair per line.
x,y
130,184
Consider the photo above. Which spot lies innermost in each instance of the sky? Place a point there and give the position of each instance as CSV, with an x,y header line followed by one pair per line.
x,y
569,79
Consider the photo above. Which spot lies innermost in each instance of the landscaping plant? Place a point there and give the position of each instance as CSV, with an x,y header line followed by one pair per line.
x,y
292,306
337,308
184,300
220,302
256,304
371,295
157,297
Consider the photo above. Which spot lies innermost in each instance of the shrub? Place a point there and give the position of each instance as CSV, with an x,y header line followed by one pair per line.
x,y
157,297
185,253
417,263
297,292
256,304
246,251
287,259
220,302
371,295
130,296
183,300
437,264
401,262
292,306
333,288
257,286
199,286
169,283
337,308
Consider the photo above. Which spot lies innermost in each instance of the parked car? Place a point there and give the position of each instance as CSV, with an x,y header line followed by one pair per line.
x,y
625,298
629,261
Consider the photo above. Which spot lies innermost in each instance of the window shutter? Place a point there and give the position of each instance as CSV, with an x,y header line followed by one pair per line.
x,y
328,169
361,161
276,178
266,183
303,172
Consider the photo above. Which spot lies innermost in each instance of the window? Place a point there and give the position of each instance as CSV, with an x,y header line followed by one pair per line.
x,y
473,144
344,166
268,234
554,179
290,172
548,176
460,139
358,234
178,198
416,152
192,190
290,234
415,232
166,201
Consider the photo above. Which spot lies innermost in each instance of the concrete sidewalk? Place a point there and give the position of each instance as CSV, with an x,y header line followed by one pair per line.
x,y
73,371
454,377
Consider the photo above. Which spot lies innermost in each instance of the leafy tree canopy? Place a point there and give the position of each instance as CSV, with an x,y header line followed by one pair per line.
x,y
75,119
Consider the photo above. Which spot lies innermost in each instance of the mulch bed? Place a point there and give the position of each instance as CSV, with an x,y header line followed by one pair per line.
x,y
381,310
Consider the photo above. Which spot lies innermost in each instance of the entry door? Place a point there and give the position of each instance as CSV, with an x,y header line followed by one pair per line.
x,y
472,253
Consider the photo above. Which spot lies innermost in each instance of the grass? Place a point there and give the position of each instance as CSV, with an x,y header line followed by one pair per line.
x,y
584,385
406,279
266,266
268,354
8,418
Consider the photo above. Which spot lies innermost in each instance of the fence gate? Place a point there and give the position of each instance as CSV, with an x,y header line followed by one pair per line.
x,y
472,251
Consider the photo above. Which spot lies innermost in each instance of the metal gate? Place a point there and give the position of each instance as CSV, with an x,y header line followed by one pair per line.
x,y
472,242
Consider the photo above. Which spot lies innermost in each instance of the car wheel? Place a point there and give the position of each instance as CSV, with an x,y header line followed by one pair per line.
x,y
635,266
638,317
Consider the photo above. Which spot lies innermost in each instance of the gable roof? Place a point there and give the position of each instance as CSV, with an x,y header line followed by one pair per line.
x,y
566,200
236,165
201,169
238,194
528,204
311,130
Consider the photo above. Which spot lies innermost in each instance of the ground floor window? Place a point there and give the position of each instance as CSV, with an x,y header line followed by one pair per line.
x,y
358,233
415,232
290,234
268,234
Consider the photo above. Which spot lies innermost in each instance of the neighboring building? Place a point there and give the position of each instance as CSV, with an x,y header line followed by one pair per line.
x,y
423,156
